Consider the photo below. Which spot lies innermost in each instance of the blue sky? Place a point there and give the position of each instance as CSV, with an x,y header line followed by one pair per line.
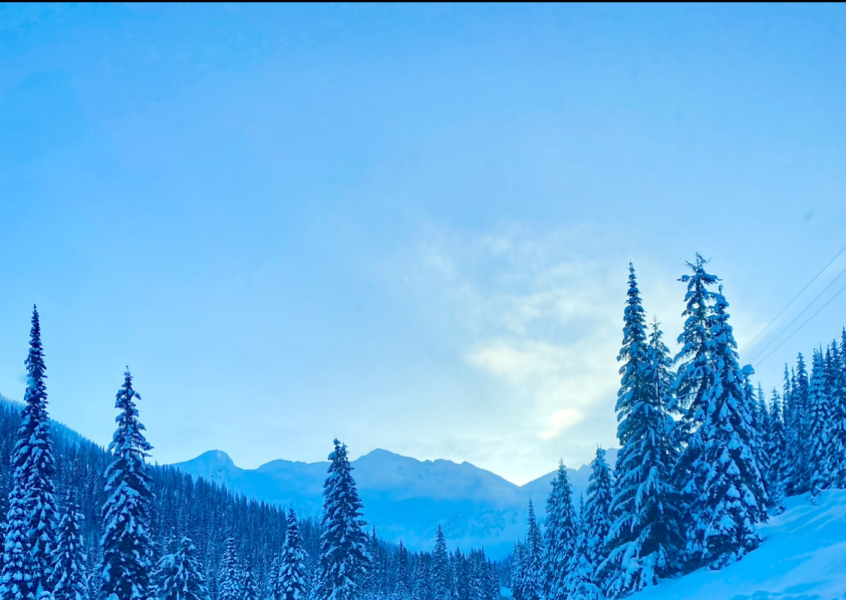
x,y
405,226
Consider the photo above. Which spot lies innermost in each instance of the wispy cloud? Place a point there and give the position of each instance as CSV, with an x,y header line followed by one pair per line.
x,y
540,315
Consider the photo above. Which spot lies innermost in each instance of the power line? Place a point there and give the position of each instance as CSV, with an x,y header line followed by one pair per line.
x,y
801,326
791,302
796,318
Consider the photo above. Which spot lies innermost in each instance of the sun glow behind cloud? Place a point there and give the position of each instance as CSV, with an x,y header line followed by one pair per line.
x,y
539,315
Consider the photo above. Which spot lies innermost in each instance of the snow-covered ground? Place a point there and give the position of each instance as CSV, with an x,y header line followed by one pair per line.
x,y
803,557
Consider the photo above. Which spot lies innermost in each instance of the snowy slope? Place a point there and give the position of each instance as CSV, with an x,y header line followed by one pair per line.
x,y
802,558
403,497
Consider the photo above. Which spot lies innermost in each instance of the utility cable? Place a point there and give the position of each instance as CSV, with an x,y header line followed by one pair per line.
x,y
792,301
796,318
801,326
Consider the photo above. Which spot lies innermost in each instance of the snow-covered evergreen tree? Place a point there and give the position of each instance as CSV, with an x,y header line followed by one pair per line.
x,y
775,446
179,576
441,578
516,572
693,373
820,421
343,551
292,570
33,469
838,428
20,569
229,577
69,577
402,589
731,500
533,563
596,517
274,586
126,545
758,424
579,582
798,480
561,532
248,583
645,533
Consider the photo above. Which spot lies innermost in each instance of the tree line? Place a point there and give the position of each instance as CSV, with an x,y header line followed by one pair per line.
x,y
84,523
705,458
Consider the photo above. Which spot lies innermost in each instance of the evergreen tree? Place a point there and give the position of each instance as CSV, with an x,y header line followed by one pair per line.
x,y
126,544
561,532
343,552
799,475
492,588
292,573
732,500
229,584
645,533
248,583
69,577
776,448
179,576
580,573
33,464
820,420
596,518
838,429
441,577
516,573
533,566
4,529
275,590
402,590
20,569
758,424
693,374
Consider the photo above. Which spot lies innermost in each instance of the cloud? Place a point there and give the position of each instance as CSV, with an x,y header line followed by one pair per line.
x,y
537,317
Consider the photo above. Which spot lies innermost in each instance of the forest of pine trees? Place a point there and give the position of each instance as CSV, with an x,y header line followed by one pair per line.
x,y
704,457
82,523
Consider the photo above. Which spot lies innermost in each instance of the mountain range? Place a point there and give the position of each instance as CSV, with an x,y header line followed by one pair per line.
x,y
404,498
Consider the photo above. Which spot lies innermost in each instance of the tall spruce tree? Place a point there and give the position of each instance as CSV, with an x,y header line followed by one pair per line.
x,y
292,571
580,573
441,578
402,589
731,498
229,576
775,446
820,421
274,586
33,468
561,532
127,549
343,550
533,570
248,583
4,529
799,475
838,429
69,576
179,576
693,360
20,569
596,518
516,572
645,534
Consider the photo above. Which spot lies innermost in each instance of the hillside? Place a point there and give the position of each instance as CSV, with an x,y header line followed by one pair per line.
x,y
404,498
803,557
